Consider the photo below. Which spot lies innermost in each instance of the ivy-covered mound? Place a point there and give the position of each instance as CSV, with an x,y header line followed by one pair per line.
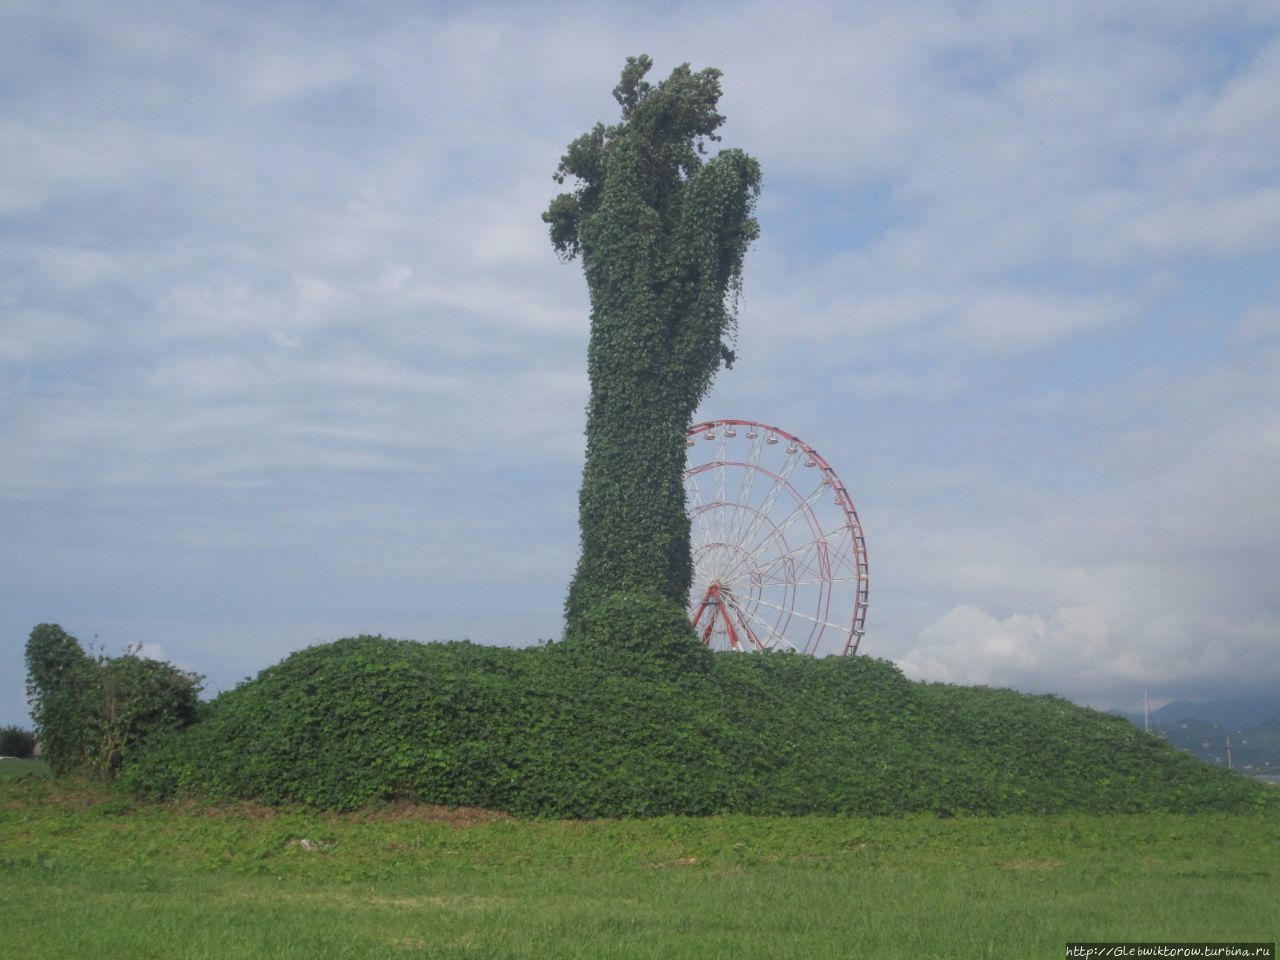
x,y
586,731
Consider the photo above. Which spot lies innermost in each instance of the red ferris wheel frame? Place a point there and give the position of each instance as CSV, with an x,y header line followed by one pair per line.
x,y
750,581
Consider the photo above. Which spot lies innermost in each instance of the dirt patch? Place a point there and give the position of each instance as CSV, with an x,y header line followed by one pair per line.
x,y
677,862
388,812
228,810
74,793
345,900
399,810
454,902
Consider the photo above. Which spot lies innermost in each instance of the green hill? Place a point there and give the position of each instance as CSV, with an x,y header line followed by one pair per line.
x,y
565,731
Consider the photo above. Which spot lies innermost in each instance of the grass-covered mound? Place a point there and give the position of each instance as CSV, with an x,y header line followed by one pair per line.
x,y
568,731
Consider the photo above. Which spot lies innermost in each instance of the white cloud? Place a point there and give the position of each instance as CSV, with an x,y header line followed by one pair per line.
x,y
282,341
1260,322
1015,321
1146,561
1247,221
1089,653
151,651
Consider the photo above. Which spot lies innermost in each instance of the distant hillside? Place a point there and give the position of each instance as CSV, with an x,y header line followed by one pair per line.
x,y
1252,750
1235,714
1203,729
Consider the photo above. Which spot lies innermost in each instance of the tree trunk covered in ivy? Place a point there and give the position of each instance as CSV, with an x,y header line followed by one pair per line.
x,y
662,232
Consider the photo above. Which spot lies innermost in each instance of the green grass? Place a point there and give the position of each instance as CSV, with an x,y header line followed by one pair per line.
x,y
12,769
86,874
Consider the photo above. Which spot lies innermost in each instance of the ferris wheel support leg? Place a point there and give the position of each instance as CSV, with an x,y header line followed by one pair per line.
x,y
743,622
697,618
734,642
711,621
706,634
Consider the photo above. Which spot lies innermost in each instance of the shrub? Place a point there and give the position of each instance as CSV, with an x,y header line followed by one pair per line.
x,y
90,714
136,698
17,742
60,678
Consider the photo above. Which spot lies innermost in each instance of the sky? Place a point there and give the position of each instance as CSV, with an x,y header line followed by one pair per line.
x,y
286,354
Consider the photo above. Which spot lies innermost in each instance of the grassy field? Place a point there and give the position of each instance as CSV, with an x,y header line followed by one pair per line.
x,y
84,874
23,768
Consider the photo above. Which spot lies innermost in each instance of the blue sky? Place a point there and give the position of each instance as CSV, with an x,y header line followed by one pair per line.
x,y
286,355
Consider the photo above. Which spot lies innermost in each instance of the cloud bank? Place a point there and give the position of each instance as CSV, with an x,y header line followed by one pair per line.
x,y
285,353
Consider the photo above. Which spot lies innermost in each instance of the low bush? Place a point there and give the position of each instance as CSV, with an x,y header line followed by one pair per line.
x,y
17,742
92,713
583,730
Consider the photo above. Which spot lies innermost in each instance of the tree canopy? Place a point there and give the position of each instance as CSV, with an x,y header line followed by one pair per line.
x,y
662,230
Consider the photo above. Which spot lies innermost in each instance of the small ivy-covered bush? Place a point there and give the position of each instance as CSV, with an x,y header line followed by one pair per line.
x,y
582,730
92,713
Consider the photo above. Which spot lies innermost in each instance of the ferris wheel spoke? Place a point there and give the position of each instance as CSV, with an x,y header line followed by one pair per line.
x,y
793,569
691,485
801,509
776,639
803,583
751,545
800,551
719,477
743,499
780,482
797,613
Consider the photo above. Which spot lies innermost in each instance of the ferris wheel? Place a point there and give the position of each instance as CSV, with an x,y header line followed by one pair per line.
x,y
780,561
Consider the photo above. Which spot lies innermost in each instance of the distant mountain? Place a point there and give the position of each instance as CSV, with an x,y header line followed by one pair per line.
x,y
1229,714
1253,750
1250,724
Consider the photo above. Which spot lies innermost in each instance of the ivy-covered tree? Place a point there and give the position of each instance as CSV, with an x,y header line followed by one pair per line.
x,y
91,713
61,679
662,230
